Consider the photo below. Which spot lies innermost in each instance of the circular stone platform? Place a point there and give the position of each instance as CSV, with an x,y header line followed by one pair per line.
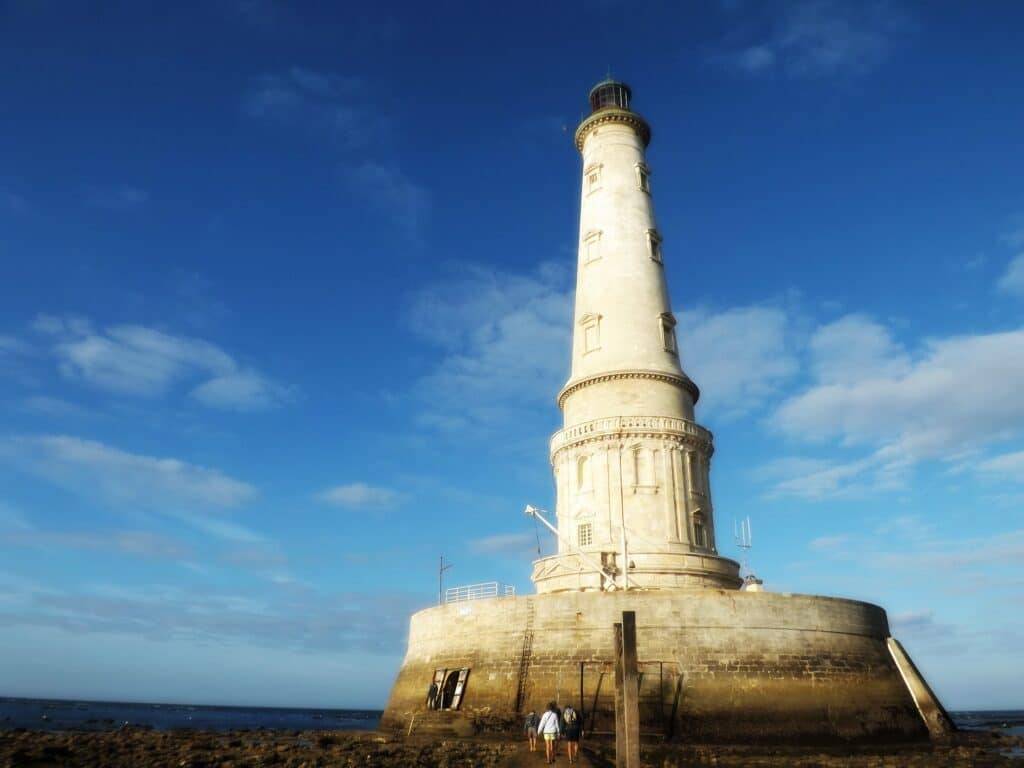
x,y
716,666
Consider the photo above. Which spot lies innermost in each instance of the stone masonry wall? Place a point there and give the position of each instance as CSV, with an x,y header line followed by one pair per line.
x,y
716,665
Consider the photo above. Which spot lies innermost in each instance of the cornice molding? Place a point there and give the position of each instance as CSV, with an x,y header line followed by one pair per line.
x,y
613,115
680,380
616,430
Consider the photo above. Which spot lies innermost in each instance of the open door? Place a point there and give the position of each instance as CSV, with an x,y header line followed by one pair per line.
x,y
434,695
460,686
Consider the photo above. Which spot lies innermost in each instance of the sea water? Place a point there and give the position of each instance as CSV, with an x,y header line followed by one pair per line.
x,y
61,715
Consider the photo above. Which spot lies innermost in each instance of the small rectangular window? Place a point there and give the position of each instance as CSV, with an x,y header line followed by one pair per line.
x,y
585,534
591,325
592,246
643,177
668,332
654,244
592,174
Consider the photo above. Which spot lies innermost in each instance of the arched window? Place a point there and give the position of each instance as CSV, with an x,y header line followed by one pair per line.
x,y
700,531
584,482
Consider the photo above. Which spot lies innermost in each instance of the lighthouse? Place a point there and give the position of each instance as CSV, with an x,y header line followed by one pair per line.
x,y
636,532
631,465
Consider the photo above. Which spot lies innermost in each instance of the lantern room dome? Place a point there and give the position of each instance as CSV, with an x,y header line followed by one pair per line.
x,y
610,93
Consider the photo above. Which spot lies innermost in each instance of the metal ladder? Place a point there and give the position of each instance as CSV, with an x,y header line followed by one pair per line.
x,y
525,656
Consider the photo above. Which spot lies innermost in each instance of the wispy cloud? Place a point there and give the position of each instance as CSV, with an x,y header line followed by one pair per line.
x,y
10,346
1007,466
142,544
116,197
1012,281
12,520
96,470
816,478
277,616
361,496
818,38
56,408
506,343
336,109
12,203
389,189
517,545
144,362
1014,234
325,103
738,357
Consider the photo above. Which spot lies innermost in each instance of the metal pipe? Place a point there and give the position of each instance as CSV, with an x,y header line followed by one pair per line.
x,y
536,514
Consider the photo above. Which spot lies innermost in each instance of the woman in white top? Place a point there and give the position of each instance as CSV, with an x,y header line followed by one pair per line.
x,y
548,727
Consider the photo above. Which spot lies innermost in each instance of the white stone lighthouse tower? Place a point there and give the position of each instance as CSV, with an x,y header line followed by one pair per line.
x,y
631,465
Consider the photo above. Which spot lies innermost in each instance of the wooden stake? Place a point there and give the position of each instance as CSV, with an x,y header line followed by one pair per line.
x,y
627,694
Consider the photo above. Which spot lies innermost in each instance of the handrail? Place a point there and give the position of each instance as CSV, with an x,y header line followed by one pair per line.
x,y
478,592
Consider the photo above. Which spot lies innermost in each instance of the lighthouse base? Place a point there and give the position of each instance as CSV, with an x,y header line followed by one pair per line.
x,y
716,666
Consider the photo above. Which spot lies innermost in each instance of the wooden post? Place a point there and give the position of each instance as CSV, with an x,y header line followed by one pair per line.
x,y
627,694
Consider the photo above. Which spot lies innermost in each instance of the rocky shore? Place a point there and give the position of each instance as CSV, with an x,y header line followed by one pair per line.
x,y
142,748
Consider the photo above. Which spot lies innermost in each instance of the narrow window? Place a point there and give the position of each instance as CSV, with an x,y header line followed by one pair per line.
x,y
592,174
585,534
654,244
591,325
592,246
643,177
668,332
700,534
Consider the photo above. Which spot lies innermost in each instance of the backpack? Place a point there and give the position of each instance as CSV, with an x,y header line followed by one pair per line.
x,y
569,716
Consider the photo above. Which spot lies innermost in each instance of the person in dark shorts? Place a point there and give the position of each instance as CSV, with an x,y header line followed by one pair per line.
x,y
532,721
571,729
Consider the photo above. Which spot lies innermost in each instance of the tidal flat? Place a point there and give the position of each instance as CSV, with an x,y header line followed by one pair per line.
x,y
144,748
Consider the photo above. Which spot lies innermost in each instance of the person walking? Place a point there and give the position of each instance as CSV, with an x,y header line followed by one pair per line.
x,y
549,729
572,729
532,721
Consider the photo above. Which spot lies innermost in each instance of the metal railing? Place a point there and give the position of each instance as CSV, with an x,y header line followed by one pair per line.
x,y
478,592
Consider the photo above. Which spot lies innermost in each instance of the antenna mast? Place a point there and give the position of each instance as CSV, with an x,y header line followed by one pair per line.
x,y
440,578
744,541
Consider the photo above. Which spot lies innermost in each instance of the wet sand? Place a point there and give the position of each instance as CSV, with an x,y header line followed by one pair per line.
x,y
142,748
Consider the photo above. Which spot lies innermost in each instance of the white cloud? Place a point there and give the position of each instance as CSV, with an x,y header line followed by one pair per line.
x,y
119,196
324,103
12,346
144,362
954,394
737,357
390,190
830,544
93,469
1014,234
1008,466
141,544
507,344
1012,281
56,408
855,348
360,496
241,391
219,528
12,520
13,203
820,38
518,545
815,479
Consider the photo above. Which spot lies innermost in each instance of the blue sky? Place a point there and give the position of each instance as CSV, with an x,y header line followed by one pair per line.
x,y
285,294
